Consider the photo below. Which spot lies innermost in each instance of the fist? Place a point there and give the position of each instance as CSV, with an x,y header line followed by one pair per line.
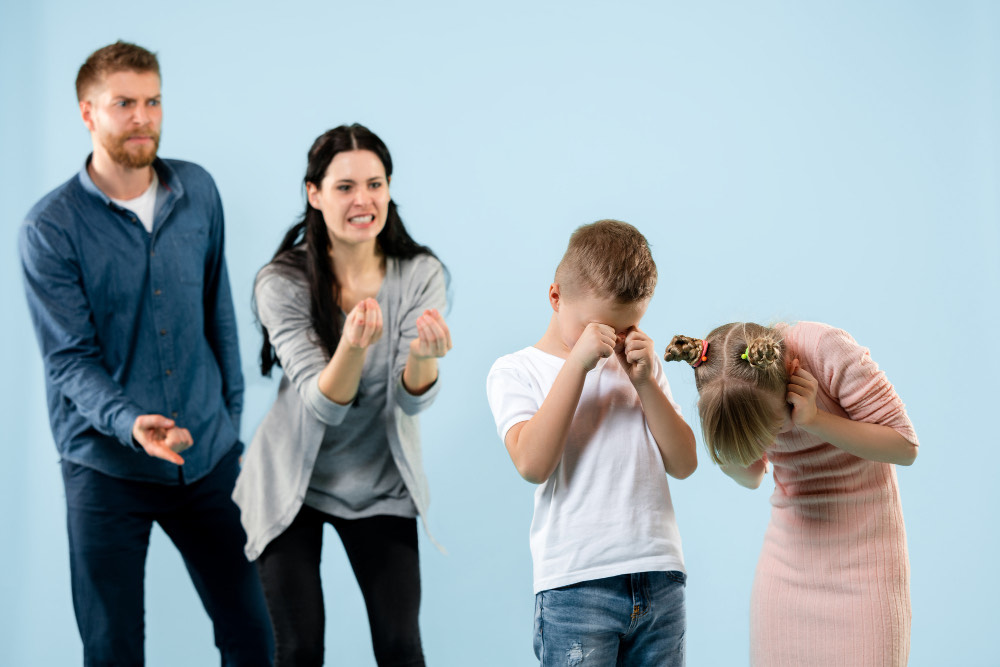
x,y
363,326
598,341
433,336
635,354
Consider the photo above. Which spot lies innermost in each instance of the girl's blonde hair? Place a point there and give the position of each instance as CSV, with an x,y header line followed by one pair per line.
x,y
744,364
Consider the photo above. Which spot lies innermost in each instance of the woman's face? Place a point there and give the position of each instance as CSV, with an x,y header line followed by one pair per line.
x,y
353,197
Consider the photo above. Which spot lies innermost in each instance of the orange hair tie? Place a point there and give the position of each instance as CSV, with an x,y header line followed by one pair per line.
x,y
703,357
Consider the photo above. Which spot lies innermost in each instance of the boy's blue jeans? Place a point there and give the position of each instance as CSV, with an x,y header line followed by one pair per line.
x,y
630,619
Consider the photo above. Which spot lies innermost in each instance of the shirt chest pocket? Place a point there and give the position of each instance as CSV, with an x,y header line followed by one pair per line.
x,y
184,257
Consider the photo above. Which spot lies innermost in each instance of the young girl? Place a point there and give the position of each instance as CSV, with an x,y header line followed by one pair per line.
x,y
350,309
832,582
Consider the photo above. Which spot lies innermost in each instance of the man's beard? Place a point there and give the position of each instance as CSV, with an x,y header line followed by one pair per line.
x,y
132,159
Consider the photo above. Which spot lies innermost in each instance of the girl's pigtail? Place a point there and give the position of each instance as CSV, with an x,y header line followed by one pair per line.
x,y
763,352
684,348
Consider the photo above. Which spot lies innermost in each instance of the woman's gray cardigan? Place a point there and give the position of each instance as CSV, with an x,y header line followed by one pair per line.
x,y
279,462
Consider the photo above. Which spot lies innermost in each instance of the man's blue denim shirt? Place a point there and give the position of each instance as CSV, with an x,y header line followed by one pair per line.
x,y
131,322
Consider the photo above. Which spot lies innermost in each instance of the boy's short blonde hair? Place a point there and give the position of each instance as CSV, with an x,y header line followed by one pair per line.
x,y
608,258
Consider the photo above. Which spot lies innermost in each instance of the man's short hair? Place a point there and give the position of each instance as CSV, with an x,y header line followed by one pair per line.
x,y
608,258
118,57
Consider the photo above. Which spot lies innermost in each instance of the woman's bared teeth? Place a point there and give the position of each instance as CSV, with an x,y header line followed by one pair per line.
x,y
361,219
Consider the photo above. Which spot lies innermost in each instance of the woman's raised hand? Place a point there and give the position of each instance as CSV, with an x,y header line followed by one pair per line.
x,y
363,325
433,337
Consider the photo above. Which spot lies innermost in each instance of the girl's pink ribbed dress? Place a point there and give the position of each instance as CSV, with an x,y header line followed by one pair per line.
x,y
832,583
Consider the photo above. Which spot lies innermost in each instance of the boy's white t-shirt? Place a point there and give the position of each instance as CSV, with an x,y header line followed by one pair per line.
x,y
606,509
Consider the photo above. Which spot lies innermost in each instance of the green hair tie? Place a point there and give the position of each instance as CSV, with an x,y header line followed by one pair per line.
x,y
746,353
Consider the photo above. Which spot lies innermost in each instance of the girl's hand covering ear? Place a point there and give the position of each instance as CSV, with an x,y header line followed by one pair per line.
x,y
802,387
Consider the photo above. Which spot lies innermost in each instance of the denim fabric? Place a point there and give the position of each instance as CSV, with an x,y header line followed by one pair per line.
x,y
131,322
109,522
630,619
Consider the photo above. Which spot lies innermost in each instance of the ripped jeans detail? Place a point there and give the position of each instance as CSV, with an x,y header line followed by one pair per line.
x,y
631,619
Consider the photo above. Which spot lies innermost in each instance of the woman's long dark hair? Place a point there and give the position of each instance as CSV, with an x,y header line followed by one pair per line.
x,y
306,246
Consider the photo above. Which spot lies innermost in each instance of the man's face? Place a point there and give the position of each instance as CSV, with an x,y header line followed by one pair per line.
x,y
123,115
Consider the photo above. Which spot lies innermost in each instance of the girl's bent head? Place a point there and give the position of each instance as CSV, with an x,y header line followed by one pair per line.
x,y
741,385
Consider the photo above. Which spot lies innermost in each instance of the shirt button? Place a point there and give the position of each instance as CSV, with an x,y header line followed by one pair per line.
x,y
156,292
163,332
169,371
174,414
152,253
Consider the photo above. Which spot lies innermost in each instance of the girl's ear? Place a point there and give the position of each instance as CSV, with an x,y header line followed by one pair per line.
x,y
312,195
554,296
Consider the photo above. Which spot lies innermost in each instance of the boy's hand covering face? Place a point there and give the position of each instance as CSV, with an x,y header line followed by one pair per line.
x,y
635,354
598,341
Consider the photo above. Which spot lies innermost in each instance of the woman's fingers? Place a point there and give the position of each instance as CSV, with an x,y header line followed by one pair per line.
x,y
377,329
363,325
371,321
433,333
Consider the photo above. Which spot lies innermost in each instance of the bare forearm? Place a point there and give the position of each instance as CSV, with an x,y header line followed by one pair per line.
x,y
874,442
340,379
536,446
419,374
673,436
750,477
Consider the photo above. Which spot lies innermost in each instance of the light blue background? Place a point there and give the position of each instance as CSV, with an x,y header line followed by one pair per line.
x,y
827,161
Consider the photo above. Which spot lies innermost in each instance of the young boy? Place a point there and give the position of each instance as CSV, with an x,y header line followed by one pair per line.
x,y
586,414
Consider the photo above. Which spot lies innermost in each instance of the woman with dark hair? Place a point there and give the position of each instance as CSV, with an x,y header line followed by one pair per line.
x,y
350,309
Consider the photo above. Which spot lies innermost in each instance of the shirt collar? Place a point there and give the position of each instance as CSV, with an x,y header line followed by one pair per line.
x,y
168,180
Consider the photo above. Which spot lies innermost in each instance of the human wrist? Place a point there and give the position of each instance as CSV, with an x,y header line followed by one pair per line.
x,y
579,358
126,428
646,388
578,365
817,424
645,381
421,358
351,348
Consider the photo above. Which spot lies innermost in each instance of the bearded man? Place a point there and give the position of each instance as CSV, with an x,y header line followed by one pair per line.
x,y
129,296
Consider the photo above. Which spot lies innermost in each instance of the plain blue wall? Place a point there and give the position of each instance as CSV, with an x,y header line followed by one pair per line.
x,y
828,161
